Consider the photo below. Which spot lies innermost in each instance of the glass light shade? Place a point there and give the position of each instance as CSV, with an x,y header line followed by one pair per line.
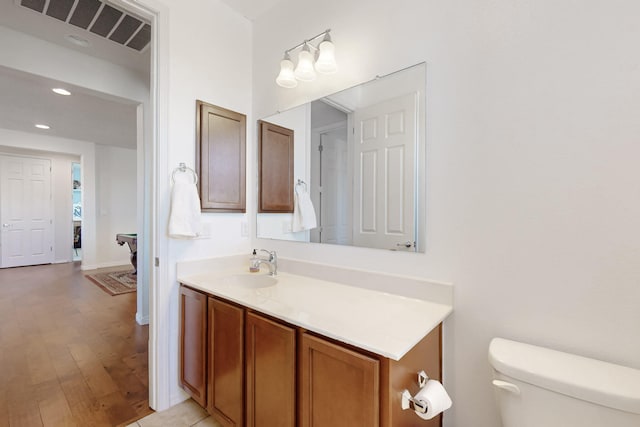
x,y
286,78
326,63
304,71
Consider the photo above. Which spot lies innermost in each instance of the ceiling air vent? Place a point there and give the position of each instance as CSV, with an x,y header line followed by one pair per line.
x,y
98,17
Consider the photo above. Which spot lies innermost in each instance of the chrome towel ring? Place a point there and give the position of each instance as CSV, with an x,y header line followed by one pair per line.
x,y
182,168
302,184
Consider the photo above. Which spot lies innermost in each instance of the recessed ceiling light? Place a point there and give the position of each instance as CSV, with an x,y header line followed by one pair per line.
x,y
77,40
61,91
39,126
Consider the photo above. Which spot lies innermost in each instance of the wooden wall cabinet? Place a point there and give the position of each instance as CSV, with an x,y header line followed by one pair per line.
x,y
221,158
250,370
275,168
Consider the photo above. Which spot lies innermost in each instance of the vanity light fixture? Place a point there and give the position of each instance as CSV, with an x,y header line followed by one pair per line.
x,y
304,70
286,78
322,60
326,62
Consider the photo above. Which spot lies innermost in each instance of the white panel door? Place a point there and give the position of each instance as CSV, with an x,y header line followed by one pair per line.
x,y
384,165
25,211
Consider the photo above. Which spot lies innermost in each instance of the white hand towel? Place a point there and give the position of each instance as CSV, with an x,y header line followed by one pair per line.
x,y
304,216
184,220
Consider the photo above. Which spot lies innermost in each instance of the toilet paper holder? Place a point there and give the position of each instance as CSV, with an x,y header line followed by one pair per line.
x,y
409,402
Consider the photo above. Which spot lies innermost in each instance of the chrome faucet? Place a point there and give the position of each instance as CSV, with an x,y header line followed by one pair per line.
x,y
272,262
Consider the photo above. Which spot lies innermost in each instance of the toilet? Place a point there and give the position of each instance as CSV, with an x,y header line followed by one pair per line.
x,y
539,387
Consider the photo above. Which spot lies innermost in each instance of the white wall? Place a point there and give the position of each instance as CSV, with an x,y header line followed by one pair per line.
x,y
116,202
109,193
532,187
210,60
61,192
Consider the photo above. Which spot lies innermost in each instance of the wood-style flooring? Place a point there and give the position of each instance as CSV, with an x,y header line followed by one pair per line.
x,y
70,354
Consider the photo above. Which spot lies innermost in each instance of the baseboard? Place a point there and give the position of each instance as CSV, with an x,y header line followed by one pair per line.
x,y
84,266
142,320
180,397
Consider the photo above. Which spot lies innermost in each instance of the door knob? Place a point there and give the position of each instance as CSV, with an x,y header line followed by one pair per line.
x,y
405,244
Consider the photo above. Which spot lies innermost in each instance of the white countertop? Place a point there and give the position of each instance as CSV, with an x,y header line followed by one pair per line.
x,y
383,323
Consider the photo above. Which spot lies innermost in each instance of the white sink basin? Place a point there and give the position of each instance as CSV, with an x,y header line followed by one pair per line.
x,y
251,281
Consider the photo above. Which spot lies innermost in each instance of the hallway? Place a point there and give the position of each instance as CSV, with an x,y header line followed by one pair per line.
x,y
70,354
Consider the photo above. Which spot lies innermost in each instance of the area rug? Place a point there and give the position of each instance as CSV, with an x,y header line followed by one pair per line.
x,y
115,282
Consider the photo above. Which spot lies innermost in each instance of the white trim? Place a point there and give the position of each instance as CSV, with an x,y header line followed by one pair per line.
x,y
179,398
106,265
156,244
142,320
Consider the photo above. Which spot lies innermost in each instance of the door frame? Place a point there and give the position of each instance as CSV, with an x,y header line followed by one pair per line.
x,y
316,139
153,157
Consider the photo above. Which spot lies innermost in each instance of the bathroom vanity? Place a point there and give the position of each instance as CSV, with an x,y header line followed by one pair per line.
x,y
303,351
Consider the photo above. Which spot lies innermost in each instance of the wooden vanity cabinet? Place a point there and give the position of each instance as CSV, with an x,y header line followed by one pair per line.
x,y
343,386
271,373
398,375
193,344
225,401
248,369
339,387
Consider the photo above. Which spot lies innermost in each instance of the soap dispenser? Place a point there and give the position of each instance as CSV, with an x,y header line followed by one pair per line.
x,y
254,263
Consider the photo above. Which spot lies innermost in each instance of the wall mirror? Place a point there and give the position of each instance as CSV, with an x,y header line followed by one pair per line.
x,y
359,154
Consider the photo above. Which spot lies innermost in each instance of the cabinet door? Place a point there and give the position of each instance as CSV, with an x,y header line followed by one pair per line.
x,y
193,343
271,373
226,363
339,387
275,168
221,158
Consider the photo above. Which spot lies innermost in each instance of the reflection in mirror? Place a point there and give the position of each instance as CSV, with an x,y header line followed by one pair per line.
x,y
360,154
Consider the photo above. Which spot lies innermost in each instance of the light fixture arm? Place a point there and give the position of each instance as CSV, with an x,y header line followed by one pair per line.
x,y
308,42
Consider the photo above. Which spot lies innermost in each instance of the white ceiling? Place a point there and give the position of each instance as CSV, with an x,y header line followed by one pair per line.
x,y
87,116
252,9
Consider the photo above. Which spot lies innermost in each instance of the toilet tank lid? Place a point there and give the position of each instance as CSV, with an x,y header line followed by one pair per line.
x,y
592,380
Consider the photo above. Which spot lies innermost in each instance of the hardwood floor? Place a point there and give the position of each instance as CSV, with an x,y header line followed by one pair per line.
x,y
70,354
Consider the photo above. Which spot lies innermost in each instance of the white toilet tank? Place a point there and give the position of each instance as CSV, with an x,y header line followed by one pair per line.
x,y
539,387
